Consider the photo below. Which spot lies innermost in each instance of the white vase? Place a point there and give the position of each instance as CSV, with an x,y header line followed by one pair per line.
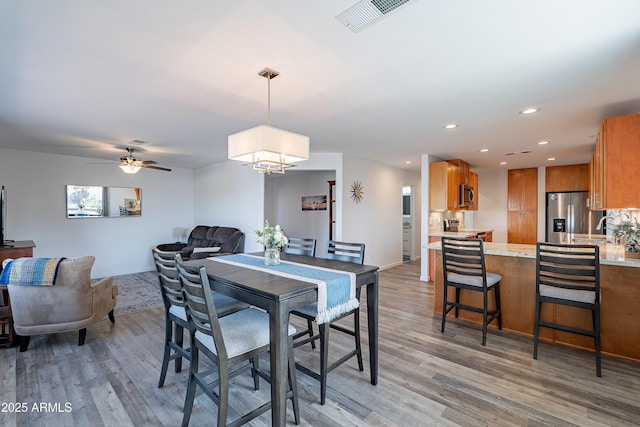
x,y
271,256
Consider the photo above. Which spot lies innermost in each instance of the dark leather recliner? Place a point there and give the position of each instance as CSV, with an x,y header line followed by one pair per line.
x,y
230,241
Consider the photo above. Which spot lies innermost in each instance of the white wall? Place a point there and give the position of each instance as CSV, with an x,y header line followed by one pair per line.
x,y
35,184
226,193
377,219
283,204
231,195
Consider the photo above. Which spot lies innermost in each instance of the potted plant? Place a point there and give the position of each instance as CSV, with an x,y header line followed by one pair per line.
x,y
627,232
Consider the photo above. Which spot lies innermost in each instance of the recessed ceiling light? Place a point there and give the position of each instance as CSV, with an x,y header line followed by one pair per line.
x,y
450,126
543,142
551,158
408,162
530,110
484,150
503,163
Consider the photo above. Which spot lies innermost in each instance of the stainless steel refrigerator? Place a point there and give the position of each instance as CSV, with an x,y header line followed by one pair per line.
x,y
569,217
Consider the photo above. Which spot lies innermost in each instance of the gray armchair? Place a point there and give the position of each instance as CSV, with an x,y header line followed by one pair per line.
x,y
73,303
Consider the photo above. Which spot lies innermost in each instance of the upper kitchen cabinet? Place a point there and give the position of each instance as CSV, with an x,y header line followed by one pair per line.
x,y
567,178
473,182
463,170
443,186
522,206
452,186
614,164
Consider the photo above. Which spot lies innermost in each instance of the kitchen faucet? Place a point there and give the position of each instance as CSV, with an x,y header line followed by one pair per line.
x,y
599,226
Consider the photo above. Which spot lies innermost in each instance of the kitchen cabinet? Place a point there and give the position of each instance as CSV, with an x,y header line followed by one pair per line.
x,y
444,189
473,182
463,170
614,164
522,206
443,186
567,178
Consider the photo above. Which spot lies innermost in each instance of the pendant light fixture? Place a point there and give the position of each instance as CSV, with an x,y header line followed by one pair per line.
x,y
265,148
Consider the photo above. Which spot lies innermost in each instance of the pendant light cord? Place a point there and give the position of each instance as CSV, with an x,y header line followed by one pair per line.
x,y
269,100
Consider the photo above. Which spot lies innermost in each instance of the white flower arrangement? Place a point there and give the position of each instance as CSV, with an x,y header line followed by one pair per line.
x,y
271,237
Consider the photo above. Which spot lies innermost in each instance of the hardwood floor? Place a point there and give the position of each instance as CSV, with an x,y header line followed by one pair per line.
x,y
426,378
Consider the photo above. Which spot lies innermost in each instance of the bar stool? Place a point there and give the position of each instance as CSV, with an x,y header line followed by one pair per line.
x,y
568,275
464,268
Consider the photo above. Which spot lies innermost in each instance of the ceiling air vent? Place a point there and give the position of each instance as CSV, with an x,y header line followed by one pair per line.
x,y
367,12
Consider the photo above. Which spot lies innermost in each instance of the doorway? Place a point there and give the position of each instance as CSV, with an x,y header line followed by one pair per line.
x,y
407,223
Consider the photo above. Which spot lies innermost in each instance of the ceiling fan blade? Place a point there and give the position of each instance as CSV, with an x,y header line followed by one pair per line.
x,y
145,165
149,162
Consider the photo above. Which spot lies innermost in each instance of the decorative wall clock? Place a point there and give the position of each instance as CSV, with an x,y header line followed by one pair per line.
x,y
357,191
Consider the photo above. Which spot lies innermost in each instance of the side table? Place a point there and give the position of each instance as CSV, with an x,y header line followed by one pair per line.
x,y
17,249
6,321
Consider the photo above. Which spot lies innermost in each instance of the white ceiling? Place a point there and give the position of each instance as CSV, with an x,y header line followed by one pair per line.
x,y
84,78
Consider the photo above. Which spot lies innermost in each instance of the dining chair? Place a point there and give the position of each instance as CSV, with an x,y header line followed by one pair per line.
x,y
174,307
305,247
346,252
464,269
568,275
233,343
300,246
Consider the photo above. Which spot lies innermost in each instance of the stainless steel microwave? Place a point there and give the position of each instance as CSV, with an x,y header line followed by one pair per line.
x,y
467,196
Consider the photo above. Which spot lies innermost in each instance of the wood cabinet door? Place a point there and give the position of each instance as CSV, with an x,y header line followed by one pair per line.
x,y
438,186
522,217
453,186
559,178
473,181
597,181
515,183
621,142
514,229
567,178
529,227
530,189
581,177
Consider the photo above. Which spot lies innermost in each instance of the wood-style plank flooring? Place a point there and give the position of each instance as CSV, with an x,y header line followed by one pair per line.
x,y
426,378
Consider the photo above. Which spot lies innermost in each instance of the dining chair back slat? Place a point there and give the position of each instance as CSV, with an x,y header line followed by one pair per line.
x,y
300,246
345,251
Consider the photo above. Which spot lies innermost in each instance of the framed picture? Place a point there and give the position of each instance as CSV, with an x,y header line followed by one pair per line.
x,y
314,203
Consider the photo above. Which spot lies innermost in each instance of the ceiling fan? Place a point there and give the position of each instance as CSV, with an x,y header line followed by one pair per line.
x,y
131,165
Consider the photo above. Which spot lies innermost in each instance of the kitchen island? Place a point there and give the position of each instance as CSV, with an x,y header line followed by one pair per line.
x,y
620,290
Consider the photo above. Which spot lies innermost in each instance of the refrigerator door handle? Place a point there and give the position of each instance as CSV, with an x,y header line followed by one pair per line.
x,y
570,224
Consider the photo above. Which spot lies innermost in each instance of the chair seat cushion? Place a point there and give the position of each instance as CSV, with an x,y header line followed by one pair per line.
x,y
243,331
492,279
588,297
178,312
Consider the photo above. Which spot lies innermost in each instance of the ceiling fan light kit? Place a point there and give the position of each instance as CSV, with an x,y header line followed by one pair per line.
x,y
265,148
129,168
131,165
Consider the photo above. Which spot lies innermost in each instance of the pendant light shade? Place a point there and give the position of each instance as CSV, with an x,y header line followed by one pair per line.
x,y
265,148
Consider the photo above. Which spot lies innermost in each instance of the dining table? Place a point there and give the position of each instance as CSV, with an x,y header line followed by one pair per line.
x,y
279,296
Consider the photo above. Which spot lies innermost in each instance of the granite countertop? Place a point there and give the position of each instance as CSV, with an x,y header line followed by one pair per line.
x,y
610,254
465,232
